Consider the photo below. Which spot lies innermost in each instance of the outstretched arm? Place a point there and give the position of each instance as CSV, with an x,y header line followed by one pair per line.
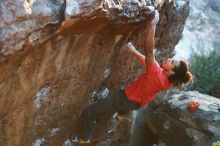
x,y
140,57
149,56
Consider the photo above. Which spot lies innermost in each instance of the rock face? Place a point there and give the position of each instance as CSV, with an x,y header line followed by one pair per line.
x,y
55,55
25,23
171,121
201,32
215,5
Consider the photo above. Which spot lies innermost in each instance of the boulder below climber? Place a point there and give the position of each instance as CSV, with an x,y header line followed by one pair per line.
x,y
172,122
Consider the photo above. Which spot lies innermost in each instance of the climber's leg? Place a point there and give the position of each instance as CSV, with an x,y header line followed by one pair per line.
x,y
110,104
92,111
123,104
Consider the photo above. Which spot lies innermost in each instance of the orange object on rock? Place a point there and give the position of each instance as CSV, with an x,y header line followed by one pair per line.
x,y
193,105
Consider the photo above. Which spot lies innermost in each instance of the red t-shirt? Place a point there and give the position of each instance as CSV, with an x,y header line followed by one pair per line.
x,y
146,86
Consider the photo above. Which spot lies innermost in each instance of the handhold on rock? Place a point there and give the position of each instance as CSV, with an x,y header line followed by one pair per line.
x,y
193,105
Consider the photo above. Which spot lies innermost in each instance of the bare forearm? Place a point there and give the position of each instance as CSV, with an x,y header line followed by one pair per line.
x,y
140,57
151,27
150,40
150,59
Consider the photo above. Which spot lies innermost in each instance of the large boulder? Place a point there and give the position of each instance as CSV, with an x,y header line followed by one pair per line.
x,y
28,22
55,55
172,122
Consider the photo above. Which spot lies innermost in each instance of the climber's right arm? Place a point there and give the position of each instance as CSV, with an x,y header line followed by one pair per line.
x,y
150,42
150,46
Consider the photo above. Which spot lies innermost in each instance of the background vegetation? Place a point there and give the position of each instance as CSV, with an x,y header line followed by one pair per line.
x,y
205,67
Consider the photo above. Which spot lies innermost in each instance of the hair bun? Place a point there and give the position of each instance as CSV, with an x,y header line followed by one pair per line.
x,y
188,77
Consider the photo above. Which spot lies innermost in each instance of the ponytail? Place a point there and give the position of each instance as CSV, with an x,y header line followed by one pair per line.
x,y
187,78
181,74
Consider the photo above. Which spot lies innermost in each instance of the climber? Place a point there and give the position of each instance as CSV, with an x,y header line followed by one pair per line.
x,y
139,92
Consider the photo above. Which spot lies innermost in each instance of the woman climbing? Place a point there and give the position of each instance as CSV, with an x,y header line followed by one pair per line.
x,y
139,92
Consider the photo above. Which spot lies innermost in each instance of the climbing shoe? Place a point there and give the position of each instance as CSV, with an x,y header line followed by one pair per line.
x,y
118,116
76,139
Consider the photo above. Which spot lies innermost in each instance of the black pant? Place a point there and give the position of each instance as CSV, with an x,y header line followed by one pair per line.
x,y
110,104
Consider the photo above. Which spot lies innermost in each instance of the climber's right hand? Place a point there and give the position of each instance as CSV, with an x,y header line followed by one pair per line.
x,y
153,18
156,18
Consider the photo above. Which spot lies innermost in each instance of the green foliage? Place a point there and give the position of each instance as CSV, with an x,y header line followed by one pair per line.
x,y
206,71
217,143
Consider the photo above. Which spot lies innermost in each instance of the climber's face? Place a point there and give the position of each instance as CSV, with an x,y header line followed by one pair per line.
x,y
169,65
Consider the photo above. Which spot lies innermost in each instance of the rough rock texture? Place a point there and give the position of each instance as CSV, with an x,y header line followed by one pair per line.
x,y
169,118
55,55
118,133
215,5
201,31
24,23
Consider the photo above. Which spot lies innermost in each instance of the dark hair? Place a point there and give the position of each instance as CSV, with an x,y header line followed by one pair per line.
x,y
181,74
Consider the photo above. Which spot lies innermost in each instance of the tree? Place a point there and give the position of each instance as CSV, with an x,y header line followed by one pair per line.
x,y
205,68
